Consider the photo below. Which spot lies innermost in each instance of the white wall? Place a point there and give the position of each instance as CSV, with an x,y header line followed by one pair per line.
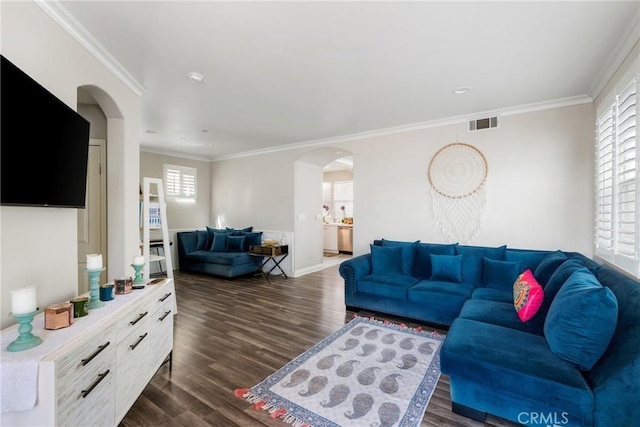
x,y
39,245
308,219
539,185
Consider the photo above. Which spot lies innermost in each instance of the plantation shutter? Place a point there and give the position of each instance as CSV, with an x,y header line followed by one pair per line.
x,y
172,178
604,184
626,242
180,182
617,216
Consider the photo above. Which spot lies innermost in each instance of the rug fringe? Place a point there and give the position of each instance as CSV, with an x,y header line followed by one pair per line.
x,y
260,404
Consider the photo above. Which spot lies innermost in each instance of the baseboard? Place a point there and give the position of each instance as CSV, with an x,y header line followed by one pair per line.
x,y
308,270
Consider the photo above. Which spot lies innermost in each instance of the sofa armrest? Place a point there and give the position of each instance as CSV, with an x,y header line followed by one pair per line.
x,y
186,245
352,271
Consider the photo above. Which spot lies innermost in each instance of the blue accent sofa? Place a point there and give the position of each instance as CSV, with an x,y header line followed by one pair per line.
x,y
218,252
575,362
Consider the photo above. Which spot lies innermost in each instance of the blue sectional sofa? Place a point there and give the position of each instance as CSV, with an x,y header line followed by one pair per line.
x,y
218,252
575,362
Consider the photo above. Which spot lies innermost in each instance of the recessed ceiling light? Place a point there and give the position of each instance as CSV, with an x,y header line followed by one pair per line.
x,y
204,131
195,77
461,90
150,131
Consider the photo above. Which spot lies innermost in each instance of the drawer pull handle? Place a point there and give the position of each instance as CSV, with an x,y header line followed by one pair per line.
x,y
102,376
138,319
97,352
133,346
165,297
164,316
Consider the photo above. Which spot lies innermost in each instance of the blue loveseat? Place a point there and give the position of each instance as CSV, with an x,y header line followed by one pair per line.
x,y
218,252
575,362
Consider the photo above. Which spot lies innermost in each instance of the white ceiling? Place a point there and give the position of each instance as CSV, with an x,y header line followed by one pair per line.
x,y
282,73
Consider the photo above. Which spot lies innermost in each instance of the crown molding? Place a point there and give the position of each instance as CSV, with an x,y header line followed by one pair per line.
x,y
520,109
626,43
62,16
174,154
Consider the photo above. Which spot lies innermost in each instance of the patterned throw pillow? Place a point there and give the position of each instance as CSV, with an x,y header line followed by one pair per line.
x,y
527,296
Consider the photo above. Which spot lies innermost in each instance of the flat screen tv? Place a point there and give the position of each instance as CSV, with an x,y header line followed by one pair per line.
x,y
44,145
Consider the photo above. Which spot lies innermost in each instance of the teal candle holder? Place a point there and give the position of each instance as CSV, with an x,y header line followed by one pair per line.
x,y
26,339
94,288
138,281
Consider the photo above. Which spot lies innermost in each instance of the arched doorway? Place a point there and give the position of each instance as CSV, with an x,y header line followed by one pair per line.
x,y
308,206
99,109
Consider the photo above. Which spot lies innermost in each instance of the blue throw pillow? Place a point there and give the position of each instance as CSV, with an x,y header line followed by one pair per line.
x,y
557,279
581,320
201,239
548,266
219,242
500,274
235,243
210,232
446,268
408,253
386,260
422,261
472,260
252,239
246,229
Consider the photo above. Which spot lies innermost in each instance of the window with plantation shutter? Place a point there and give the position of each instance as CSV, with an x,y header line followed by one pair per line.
x,y
180,181
617,203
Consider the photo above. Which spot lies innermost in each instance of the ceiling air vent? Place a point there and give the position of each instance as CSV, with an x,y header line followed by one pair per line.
x,y
484,123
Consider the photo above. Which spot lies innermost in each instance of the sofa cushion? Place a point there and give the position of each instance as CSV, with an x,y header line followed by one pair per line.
x,y
422,262
246,229
557,279
386,260
447,268
253,238
386,285
502,314
210,232
235,243
472,260
442,288
499,274
219,243
222,258
202,237
527,296
493,294
581,320
548,266
514,363
408,253
528,258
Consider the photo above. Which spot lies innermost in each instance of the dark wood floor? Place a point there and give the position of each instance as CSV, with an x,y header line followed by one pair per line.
x,y
232,334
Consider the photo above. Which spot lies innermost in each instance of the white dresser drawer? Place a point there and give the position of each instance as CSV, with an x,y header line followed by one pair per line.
x,y
161,328
131,319
132,357
81,358
90,399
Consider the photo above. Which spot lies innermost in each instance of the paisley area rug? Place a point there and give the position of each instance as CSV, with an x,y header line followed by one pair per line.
x,y
368,373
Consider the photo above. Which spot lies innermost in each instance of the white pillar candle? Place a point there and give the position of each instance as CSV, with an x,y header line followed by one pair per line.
x,y
23,301
138,260
94,261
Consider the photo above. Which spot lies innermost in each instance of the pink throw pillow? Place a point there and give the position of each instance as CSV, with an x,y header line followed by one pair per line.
x,y
527,295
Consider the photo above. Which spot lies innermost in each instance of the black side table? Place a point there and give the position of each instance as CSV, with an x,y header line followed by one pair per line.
x,y
262,254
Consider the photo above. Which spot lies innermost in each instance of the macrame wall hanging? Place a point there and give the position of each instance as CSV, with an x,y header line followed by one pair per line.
x,y
458,174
